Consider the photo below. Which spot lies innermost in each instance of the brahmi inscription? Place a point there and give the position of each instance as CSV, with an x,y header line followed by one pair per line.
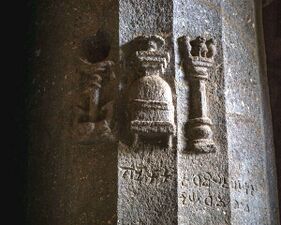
x,y
211,200
145,174
147,183
210,179
207,188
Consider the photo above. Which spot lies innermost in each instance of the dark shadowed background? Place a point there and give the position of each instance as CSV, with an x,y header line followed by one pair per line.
x,y
272,36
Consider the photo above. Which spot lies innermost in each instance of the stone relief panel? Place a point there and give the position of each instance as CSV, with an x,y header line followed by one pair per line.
x,y
146,155
150,108
198,57
148,176
150,111
93,112
150,100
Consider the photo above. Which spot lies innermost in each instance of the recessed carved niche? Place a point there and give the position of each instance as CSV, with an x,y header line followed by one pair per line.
x,y
93,111
150,99
198,57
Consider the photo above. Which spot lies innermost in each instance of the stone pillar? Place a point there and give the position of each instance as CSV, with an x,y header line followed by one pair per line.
x,y
232,185
203,193
147,178
157,114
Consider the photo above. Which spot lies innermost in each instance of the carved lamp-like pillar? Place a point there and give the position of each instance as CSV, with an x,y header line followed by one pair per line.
x,y
199,58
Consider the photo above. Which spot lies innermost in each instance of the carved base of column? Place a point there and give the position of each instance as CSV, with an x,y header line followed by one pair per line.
x,y
202,146
200,136
164,141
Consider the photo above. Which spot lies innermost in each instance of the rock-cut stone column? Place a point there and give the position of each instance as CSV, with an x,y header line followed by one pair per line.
x,y
147,177
151,112
233,184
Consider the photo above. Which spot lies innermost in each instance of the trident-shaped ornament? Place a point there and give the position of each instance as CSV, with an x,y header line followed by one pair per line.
x,y
198,58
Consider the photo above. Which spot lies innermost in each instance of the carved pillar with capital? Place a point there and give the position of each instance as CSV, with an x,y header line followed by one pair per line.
x,y
198,58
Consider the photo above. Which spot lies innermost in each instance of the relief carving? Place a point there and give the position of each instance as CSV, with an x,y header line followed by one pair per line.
x,y
150,102
198,58
94,108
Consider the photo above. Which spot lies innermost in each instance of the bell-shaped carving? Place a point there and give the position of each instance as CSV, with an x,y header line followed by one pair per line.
x,y
150,98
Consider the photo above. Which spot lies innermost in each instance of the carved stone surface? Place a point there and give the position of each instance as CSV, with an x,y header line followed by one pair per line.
x,y
147,180
94,109
150,96
227,186
131,107
198,57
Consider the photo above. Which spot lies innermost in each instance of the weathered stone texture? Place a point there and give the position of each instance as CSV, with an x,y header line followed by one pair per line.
x,y
69,183
114,101
147,172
